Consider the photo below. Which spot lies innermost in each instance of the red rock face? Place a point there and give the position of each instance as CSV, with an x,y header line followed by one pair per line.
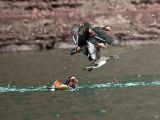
x,y
44,22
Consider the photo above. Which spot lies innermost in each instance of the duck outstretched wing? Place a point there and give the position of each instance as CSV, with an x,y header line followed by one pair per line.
x,y
84,29
75,29
81,30
102,37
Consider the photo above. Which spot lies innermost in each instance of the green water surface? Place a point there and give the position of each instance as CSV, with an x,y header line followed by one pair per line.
x,y
39,68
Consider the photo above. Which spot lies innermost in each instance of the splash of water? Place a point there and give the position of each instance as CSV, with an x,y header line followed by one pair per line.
x,y
121,85
21,90
91,86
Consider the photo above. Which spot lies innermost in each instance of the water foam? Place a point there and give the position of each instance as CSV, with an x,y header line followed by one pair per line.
x,y
9,88
21,90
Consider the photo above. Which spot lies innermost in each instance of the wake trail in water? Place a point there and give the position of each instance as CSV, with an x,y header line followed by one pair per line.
x,y
21,90
8,89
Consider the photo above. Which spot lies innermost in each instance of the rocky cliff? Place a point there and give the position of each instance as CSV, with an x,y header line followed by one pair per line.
x,y
41,24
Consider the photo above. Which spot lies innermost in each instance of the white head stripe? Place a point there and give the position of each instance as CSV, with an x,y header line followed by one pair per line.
x,y
99,38
74,39
77,38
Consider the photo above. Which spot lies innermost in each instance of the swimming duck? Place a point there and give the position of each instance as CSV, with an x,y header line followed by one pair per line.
x,y
70,84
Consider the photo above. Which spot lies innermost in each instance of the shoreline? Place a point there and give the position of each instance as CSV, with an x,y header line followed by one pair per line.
x,y
48,45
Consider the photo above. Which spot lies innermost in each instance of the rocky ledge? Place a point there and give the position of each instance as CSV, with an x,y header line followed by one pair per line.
x,y
45,24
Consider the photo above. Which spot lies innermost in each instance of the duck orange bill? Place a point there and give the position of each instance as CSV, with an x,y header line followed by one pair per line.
x,y
106,28
91,33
